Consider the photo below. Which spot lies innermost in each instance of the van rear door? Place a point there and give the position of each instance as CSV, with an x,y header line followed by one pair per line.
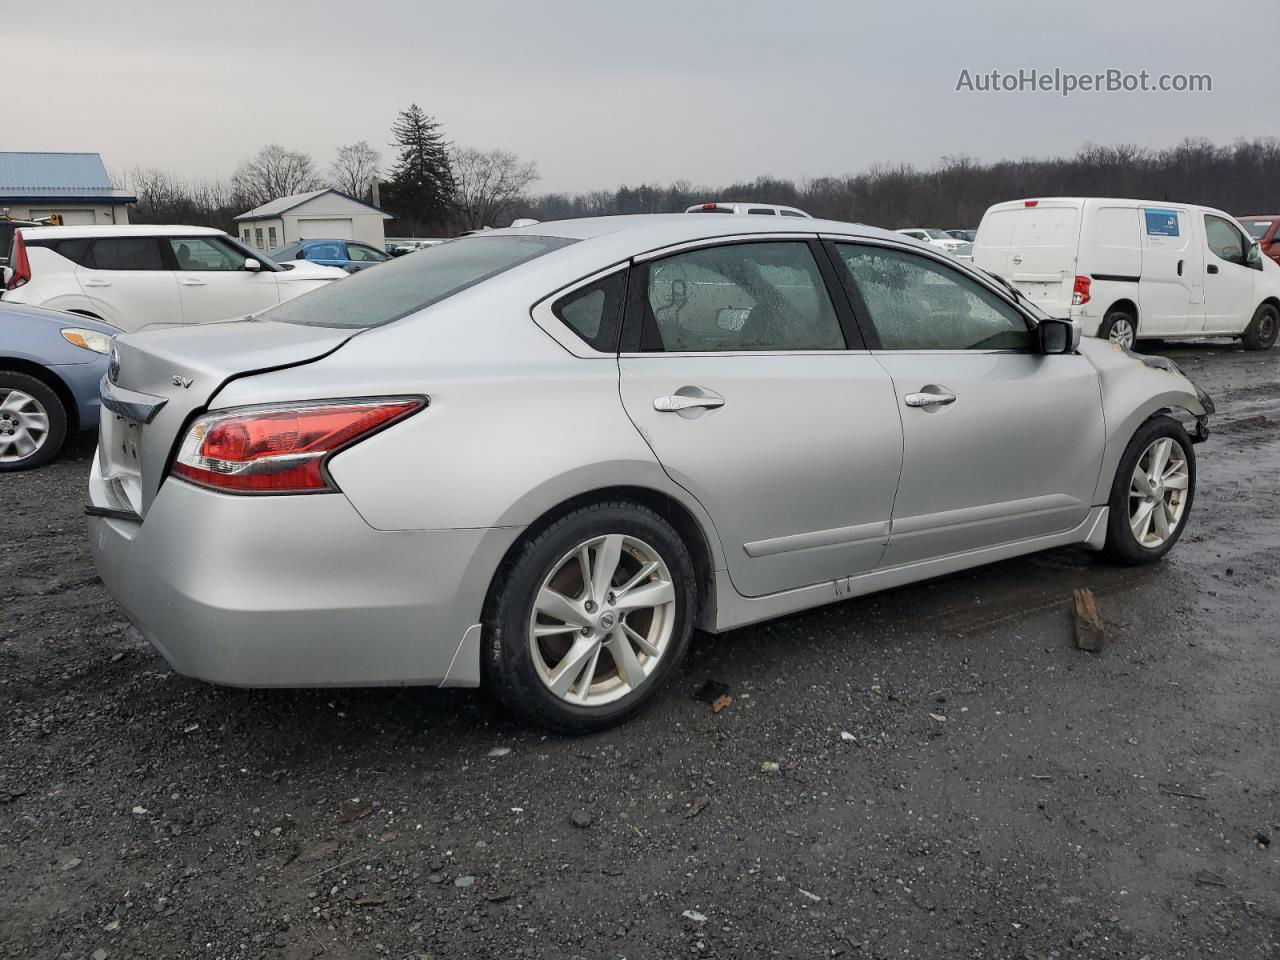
x,y
1171,291
1042,258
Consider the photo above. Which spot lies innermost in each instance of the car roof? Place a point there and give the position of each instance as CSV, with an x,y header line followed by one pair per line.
x,y
653,230
118,230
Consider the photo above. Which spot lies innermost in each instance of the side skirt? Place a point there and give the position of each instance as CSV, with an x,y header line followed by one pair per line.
x,y
735,610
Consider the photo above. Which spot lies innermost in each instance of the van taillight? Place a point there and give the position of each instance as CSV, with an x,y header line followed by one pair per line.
x,y
281,448
1080,295
1030,203
18,263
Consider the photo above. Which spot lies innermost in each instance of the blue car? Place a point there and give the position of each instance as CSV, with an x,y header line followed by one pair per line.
x,y
51,364
350,255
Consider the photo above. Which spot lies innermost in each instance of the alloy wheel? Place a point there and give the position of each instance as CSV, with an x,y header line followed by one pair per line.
x,y
24,425
1158,492
1121,332
602,620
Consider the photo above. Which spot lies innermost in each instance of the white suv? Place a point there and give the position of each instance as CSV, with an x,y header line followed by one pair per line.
x,y
137,277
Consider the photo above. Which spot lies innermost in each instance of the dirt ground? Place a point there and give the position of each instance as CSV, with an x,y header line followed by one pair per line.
x,y
931,772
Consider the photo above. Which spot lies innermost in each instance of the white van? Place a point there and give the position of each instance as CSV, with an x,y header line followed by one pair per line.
x,y
1129,269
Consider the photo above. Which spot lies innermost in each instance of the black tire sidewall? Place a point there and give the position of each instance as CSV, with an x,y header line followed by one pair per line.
x,y
507,663
54,409
1109,321
1121,543
1253,339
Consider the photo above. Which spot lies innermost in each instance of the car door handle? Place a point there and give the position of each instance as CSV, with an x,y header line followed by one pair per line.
x,y
97,283
1017,259
193,282
1212,268
928,399
674,403
1179,268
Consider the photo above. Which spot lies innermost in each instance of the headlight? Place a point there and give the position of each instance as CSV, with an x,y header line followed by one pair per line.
x,y
89,339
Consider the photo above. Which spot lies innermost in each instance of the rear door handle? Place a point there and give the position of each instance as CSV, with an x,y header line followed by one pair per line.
x,y
928,399
97,283
193,282
674,403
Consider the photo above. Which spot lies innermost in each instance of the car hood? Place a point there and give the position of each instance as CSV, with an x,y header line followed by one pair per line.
x,y
54,318
306,270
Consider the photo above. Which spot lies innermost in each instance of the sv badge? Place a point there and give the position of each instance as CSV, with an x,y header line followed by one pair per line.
x,y
181,381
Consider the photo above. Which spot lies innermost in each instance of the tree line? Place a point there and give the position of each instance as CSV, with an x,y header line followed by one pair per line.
x,y
1241,178
437,188
432,186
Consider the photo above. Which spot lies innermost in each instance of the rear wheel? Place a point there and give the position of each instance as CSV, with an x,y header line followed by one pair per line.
x,y
1119,326
1151,496
1262,329
590,619
33,422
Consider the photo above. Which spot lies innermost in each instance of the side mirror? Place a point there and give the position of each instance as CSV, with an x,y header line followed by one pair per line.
x,y
252,265
1254,257
1059,336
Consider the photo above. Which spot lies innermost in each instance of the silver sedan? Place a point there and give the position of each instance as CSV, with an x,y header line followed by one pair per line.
x,y
536,460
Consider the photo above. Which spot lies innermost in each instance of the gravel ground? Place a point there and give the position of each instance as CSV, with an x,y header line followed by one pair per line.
x,y
932,772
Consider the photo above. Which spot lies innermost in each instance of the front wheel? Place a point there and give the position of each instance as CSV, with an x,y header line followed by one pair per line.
x,y
590,618
33,422
1151,496
1262,329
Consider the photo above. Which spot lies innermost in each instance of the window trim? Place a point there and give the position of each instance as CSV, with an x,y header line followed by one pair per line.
x,y
638,285
863,315
543,314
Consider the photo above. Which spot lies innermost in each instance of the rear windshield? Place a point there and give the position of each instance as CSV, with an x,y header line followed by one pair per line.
x,y
401,287
1257,228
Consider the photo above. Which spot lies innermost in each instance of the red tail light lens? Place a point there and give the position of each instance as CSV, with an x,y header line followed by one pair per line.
x,y
280,449
1080,294
19,263
1030,203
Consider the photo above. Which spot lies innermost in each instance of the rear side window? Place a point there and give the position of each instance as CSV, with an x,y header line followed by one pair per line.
x,y
126,253
75,250
400,287
764,210
738,297
794,213
594,312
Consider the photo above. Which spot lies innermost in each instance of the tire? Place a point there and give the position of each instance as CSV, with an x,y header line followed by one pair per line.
x,y
1114,326
33,422
520,670
1123,544
1262,329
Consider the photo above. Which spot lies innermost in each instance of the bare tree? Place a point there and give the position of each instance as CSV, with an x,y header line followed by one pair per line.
x,y
355,169
275,172
488,185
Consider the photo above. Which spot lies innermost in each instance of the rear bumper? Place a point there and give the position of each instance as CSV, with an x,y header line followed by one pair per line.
x,y
295,590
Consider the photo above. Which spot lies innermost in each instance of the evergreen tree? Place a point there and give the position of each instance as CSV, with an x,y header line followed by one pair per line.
x,y
421,185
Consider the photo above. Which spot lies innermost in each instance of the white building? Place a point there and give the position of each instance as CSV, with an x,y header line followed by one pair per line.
x,y
73,185
319,215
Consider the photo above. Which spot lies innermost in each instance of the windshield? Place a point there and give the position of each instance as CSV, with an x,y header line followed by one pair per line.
x,y
1257,228
401,287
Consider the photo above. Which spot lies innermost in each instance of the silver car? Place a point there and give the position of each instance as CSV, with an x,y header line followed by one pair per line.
x,y
536,460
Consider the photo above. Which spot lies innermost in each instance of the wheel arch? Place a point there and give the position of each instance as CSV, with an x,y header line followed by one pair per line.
x,y
50,380
1127,305
690,524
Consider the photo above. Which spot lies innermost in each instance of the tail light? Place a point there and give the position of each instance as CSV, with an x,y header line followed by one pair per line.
x,y
281,448
1080,293
1031,203
18,263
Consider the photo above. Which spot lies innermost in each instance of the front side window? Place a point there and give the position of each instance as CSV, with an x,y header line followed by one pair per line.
x,y
362,254
1225,240
205,254
915,303
126,253
738,297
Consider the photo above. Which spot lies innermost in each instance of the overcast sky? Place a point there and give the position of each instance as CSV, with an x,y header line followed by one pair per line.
x,y
602,93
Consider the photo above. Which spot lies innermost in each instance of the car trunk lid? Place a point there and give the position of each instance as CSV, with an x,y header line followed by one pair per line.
x,y
157,380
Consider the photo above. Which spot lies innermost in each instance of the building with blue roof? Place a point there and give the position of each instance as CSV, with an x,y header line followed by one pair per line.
x,y
74,185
